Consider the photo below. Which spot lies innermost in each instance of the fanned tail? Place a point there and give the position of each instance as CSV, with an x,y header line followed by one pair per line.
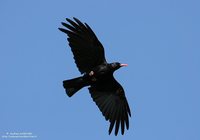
x,y
73,85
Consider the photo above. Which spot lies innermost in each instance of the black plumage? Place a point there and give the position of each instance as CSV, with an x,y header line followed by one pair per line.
x,y
105,91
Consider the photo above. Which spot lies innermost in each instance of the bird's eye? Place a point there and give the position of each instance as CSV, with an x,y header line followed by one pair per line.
x,y
113,65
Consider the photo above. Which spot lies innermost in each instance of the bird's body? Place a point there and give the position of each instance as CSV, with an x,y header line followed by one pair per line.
x,y
98,74
89,57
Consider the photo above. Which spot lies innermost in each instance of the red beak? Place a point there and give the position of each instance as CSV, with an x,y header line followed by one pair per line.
x,y
122,65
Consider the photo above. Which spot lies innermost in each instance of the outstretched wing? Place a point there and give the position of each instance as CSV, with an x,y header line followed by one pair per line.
x,y
87,50
110,98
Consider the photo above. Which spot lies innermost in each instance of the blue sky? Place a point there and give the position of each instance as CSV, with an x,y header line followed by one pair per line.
x,y
158,39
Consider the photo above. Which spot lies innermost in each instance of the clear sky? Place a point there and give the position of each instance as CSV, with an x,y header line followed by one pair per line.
x,y
159,39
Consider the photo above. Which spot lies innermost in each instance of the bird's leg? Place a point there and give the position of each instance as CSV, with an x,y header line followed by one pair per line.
x,y
91,73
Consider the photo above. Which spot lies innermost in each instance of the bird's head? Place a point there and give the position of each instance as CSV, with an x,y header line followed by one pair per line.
x,y
117,65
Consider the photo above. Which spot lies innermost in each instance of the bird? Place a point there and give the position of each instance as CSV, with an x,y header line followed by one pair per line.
x,y
96,74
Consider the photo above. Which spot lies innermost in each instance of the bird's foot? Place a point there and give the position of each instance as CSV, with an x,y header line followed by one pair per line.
x,y
91,73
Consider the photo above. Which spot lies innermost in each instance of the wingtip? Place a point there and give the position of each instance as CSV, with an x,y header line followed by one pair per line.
x,y
74,18
130,114
63,23
116,132
122,133
129,111
67,19
63,30
111,126
109,132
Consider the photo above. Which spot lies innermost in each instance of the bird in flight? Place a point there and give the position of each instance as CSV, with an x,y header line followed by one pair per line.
x,y
97,75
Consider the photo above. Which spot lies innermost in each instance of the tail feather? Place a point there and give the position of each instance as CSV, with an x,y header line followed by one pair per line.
x,y
73,85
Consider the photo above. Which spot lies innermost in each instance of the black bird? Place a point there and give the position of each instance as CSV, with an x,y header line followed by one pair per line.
x,y
89,57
